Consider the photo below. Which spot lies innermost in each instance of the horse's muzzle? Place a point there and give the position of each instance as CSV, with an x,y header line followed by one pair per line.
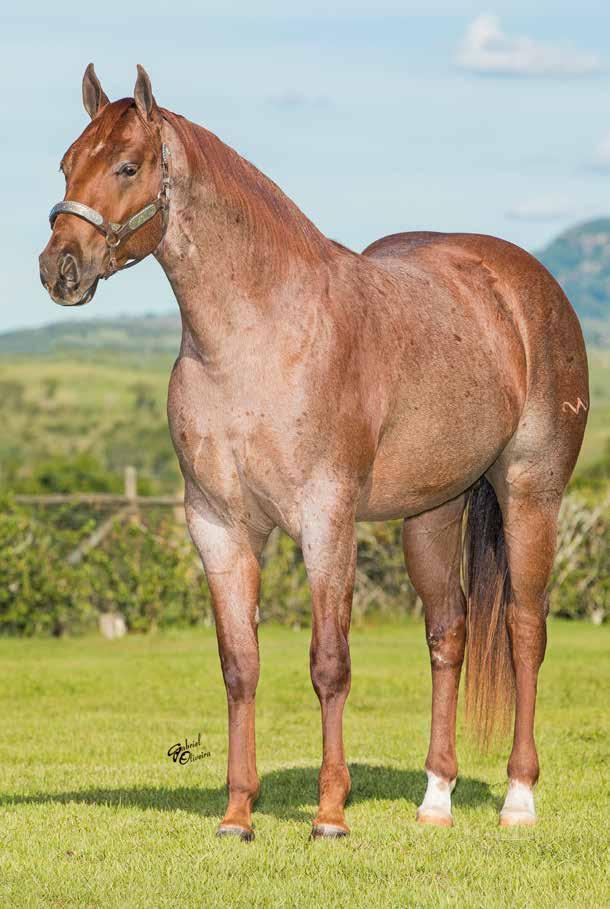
x,y
63,279
85,298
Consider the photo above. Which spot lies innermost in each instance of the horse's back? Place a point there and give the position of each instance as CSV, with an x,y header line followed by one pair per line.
x,y
545,321
518,278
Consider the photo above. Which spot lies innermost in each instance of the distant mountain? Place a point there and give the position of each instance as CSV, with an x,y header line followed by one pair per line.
x,y
578,258
141,334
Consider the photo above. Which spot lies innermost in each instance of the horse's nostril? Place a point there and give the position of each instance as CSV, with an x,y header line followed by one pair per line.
x,y
68,270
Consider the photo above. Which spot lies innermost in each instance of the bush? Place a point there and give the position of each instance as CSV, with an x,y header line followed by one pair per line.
x,y
80,472
152,577
39,592
147,570
580,586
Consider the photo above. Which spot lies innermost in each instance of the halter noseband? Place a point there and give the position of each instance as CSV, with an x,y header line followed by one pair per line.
x,y
115,233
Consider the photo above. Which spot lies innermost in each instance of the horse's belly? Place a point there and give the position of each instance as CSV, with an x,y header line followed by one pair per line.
x,y
391,494
427,460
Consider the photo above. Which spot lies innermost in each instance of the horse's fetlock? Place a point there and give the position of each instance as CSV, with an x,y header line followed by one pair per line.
x,y
524,767
334,778
246,791
443,765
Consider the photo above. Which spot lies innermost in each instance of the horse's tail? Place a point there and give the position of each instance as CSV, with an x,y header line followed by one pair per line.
x,y
490,675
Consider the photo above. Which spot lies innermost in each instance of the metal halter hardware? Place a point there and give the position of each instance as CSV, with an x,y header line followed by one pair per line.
x,y
115,233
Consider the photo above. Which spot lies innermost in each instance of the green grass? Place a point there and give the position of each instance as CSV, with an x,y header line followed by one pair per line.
x,y
93,812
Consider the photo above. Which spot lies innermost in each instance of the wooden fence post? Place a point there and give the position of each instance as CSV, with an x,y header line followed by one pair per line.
x,y
131,483
131,493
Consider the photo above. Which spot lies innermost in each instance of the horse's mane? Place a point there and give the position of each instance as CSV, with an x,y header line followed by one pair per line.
x,y
248,192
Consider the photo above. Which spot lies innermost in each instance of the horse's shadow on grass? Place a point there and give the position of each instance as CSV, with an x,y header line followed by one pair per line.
x,y
285,793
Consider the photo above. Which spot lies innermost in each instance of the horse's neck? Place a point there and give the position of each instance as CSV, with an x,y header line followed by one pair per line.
x,y
231,266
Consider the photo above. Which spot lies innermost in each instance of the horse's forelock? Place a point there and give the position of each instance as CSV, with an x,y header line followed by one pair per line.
x,y
101,128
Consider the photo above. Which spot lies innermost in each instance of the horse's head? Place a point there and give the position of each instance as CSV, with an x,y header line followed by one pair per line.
x,y
117,193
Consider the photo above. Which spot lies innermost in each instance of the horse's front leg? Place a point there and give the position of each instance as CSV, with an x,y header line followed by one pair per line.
x,y
329,550
231,564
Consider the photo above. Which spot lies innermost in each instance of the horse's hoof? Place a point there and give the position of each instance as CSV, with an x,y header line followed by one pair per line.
x,y
517,819
433,818
242,833
328,832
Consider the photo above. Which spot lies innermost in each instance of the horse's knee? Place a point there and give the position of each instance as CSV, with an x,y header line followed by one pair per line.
x,y
330,665
240,672
446,642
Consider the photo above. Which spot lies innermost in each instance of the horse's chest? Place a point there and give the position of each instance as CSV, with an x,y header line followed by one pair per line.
x,y
235,455
211,457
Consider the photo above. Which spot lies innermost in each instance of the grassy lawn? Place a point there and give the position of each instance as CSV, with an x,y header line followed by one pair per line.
x,y
93,812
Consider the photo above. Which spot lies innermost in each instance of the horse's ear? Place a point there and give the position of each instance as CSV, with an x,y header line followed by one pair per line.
x,y
143,95
94,97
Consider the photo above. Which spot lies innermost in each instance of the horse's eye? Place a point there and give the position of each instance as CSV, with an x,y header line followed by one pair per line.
x,y
128,170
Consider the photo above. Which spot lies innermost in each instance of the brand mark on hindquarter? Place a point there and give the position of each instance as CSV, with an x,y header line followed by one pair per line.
x,y
575,408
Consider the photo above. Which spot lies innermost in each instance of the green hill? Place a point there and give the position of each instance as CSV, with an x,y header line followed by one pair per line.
x,y
136,334
580,260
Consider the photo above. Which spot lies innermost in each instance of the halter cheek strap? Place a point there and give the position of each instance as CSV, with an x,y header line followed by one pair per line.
x,y
115,233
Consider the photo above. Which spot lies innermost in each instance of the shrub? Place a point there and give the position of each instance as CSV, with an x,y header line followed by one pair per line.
x,y
580,586
81,472
39,592
146,569
153,579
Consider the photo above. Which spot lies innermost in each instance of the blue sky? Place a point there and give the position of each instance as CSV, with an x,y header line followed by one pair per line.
x,y
374,117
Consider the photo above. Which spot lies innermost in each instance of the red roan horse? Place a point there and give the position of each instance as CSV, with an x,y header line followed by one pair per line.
x,y
432,375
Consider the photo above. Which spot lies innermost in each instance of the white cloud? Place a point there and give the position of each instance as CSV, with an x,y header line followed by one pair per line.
x,y
543,208
601,158
488,50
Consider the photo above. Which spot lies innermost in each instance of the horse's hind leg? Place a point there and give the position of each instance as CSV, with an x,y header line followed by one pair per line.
x,y
433,545
530,531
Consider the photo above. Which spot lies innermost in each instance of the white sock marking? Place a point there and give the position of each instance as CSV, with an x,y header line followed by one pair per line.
x,y
519,801
437,800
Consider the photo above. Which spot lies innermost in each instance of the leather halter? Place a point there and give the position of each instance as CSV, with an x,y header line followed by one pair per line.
x,y
115,233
